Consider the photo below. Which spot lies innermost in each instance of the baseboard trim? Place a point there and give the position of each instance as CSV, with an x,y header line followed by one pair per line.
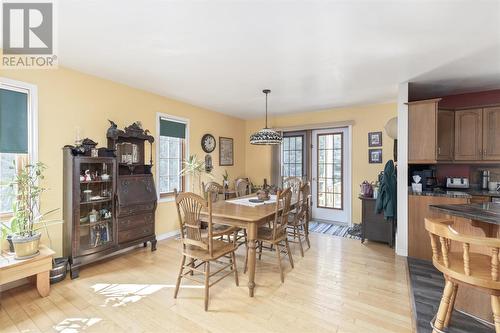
x,y
167,235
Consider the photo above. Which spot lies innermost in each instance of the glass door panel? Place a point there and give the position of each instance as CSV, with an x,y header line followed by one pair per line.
x,y
95,229
331,189
330,151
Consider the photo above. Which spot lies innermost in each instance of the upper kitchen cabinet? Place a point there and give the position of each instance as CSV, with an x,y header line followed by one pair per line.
x,y
445,135
491,133
422,131
468,135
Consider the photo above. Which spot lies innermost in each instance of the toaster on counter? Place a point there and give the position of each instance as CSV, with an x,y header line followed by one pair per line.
x,y
457,182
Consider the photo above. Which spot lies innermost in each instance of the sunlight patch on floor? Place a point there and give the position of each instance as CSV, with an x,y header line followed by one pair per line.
x,y
118,294
73,325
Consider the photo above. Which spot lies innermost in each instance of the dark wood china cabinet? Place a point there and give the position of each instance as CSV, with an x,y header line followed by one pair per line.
x,y
109,202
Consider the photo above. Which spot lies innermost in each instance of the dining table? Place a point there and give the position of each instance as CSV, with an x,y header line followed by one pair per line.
x,y
237,213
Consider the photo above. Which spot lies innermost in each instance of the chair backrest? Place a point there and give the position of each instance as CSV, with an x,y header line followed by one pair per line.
x,y
283,201
241,186
292,182
471,268
214,188
189,206
302,206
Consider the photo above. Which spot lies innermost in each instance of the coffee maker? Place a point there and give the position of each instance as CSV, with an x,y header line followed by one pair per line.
x,y
428,177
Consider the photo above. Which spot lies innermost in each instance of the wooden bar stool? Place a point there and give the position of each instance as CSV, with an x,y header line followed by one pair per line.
x,y
463,268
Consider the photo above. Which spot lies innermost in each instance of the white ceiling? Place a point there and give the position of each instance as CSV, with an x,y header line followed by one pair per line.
x,y
311,54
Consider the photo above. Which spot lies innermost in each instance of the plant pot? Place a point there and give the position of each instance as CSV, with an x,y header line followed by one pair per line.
x,y
11,245
26,246
59,270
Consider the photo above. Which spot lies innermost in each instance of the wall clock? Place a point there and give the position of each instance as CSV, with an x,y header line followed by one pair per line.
x,y
208,143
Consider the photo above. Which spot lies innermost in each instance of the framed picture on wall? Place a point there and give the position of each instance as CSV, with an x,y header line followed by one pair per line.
x,y
374,156
226,151
375,139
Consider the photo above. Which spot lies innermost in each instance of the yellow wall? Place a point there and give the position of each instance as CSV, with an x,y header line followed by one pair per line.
x,y
366,119
69,99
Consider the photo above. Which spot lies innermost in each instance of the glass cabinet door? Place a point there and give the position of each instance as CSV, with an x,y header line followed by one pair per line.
x,y
95,230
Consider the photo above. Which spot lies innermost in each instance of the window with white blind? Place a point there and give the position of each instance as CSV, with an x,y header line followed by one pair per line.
x,y
171,154
18,135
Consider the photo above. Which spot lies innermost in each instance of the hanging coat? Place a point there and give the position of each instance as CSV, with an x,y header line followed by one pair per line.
x,y
387,197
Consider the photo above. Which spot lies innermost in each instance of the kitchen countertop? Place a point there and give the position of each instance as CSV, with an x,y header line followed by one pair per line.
x,y
457,193
449,194
488,212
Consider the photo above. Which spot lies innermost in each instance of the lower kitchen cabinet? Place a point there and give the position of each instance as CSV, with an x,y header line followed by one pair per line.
x,y
419,244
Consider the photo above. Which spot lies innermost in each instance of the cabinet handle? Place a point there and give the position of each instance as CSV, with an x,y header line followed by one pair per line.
x,y
439,150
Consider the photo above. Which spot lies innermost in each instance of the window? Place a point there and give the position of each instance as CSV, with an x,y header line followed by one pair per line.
x,y
171,152
18,135
292,157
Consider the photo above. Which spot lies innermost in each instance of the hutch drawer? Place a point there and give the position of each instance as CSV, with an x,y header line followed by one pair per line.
x,y
135,233
129,222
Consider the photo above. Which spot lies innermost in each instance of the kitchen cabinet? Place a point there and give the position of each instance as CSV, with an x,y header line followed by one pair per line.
x,y
419,244
480,199
491,133
468,134
445,135
422,131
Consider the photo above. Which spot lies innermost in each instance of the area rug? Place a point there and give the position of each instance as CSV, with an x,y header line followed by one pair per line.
x,y
353,232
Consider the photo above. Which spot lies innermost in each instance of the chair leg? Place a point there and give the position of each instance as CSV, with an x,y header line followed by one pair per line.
x,y
279,263
495,306
178,283
233,256
443,306
300,242
207,277
288,251
307,235
192,265
246,260
260,251
452,305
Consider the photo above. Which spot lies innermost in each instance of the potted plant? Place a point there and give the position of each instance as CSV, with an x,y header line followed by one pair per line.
x,y
194,168
225,180
26,220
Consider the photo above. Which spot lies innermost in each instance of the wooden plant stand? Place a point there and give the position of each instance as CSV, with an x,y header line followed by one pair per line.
x,y
39,267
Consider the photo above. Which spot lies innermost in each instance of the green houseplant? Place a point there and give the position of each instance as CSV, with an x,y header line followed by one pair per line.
x,y
225,179
27,220
194,168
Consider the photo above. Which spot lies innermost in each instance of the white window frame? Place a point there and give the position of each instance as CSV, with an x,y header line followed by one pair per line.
x,y
185,121
32,91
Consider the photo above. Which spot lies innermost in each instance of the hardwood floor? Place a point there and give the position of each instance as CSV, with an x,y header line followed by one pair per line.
x,y
339,286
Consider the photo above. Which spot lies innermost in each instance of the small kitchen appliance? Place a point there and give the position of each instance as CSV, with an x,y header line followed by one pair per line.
x,y
428,179
485,179
457,182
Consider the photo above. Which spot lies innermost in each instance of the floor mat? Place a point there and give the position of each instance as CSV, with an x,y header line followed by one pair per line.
x,y
353,232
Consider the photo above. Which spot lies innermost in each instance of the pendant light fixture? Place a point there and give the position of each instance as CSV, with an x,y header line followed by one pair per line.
x,y
266,136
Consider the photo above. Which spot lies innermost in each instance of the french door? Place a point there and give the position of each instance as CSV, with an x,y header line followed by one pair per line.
x,y
331,175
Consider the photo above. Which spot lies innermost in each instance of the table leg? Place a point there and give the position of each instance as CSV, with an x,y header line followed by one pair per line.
x,y
43,283
251,236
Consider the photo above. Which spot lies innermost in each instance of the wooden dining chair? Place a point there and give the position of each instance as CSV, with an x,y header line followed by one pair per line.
x,y
293,183
241,186
463,267
297,227
276,236
212,187
199,246
234,234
